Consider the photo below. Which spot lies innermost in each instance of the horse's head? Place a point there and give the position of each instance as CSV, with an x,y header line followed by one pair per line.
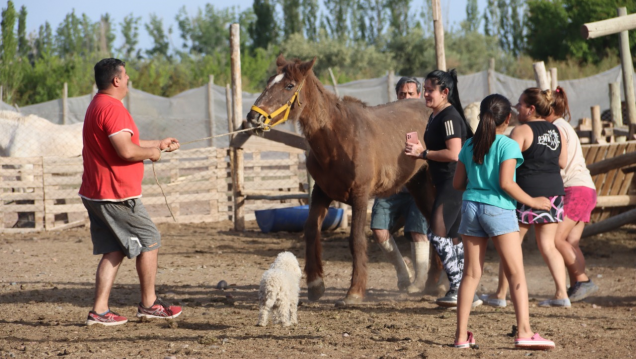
x,y
283,97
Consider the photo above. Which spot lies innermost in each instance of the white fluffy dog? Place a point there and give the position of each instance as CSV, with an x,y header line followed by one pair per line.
x,y
280,287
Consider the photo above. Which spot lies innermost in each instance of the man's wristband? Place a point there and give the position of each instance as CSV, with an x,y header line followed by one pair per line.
x,y
425,154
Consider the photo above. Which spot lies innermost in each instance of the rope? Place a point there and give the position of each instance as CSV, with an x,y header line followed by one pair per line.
x,y
185,143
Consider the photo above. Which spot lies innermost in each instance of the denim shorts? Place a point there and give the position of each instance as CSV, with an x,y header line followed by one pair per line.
x,y
484,220
387,212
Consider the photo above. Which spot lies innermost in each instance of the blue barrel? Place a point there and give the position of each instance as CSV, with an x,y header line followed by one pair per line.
x,y
292,219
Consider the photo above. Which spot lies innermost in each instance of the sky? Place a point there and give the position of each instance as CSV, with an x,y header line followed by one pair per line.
x,y
54,11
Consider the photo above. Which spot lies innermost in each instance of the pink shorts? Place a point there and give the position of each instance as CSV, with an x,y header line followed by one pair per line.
x,y
579,203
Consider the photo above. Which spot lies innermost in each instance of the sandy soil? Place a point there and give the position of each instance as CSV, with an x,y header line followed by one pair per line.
x,y
46,290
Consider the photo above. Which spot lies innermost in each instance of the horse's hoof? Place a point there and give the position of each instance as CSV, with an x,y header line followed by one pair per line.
x,y
349,301
404,285
315,290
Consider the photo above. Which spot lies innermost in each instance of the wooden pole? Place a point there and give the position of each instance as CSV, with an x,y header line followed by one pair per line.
x,y
335,83
237,114
491,76
237,88
554,83
211,108
540,75
608,27
94,91
615,104
438,28
609,164
390,87
128,96
597,127
1,89
228,104
65,104
610,223
628,73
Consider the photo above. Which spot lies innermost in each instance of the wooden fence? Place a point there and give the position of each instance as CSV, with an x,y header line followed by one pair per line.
x,y
197,184
615,186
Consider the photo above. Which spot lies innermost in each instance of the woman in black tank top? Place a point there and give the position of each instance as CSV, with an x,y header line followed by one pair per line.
x,y
544,150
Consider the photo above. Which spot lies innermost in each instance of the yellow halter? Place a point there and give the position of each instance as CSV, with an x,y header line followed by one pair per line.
x,y
286,108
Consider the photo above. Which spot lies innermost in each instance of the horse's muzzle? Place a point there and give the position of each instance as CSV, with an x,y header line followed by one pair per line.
x,y
256,122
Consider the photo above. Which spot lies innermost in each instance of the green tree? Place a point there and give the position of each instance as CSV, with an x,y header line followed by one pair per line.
x,y
491,19
9,69
207,32
23,43
130,33
337,19
44,42
310,19
291,17
161,44
263,31
471,24
399,16
553,28
69,39
106,35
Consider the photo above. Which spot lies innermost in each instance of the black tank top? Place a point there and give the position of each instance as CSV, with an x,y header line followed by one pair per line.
x,y
540,174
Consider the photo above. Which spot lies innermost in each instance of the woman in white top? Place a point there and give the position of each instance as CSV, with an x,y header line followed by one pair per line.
x,y
580,200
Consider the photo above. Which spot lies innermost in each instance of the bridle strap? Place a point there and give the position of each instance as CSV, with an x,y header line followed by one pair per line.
x,y
269,117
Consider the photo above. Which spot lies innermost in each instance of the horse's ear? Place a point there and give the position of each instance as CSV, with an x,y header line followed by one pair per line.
x,y
280,60
306,66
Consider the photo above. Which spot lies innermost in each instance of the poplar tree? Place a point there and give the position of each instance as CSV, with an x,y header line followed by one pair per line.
x,y
23,43
310,19
291,17
263,31
130,33
161,45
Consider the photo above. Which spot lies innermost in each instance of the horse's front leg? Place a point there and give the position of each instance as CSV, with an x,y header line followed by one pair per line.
x,y
358,248
313,248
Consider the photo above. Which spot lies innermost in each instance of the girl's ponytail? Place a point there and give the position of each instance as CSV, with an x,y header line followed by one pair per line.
x,y
493,111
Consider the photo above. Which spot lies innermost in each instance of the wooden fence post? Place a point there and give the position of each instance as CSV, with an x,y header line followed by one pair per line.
x,y
628,75
540,75
65,104
615,104
554,83
237,114
335,83
597,126
438,28
211,108
1,90
491,76
128,100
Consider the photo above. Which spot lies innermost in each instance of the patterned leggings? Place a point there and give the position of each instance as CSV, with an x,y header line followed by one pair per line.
x,y
452,257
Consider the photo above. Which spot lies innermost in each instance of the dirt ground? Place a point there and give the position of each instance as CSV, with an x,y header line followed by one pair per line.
x,y
46,291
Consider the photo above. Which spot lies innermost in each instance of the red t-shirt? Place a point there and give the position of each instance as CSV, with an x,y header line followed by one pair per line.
x,y
108,177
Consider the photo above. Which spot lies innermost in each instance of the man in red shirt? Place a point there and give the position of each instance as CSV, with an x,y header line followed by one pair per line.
x,y
113,158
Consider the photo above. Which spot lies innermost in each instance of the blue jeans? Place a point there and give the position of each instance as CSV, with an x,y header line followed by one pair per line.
x,y
484,220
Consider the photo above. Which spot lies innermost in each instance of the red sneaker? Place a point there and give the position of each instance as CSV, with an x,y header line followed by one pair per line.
x,y
108,319
159,310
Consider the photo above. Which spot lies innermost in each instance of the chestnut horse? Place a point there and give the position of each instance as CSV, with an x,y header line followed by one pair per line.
x,y
356,152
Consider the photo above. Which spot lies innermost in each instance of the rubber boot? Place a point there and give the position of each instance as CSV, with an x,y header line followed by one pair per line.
x,y
420,254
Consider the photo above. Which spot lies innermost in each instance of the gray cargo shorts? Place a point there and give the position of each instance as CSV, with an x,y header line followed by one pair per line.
x,y
121,226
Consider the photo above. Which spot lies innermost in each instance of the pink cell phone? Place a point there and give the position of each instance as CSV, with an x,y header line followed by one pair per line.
x,y
411,137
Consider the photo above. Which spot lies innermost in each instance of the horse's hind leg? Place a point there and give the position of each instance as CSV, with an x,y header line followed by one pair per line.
x,y
358,247
313,251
